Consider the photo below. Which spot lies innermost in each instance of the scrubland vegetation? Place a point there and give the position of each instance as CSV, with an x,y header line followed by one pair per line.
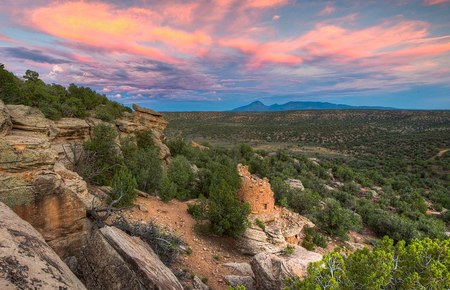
x,y
56,101
386,172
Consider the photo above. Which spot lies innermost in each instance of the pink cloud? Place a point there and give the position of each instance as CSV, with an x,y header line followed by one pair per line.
x,y
327,10
5,38
435,2
134,31
265,3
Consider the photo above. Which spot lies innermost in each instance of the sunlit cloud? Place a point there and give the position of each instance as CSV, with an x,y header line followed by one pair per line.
x,y
435,2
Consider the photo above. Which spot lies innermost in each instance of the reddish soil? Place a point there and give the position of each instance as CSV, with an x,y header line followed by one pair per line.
x,y
208,252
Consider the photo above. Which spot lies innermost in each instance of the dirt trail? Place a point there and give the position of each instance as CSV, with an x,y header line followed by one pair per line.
x,y
208,252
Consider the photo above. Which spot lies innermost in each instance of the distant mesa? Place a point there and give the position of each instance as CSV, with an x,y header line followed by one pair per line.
x,y
258,106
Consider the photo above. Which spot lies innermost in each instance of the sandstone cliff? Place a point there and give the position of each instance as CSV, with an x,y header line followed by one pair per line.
x,y
34,180
26,261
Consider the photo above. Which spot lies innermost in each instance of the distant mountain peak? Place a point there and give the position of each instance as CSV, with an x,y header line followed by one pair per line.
x,y
258,106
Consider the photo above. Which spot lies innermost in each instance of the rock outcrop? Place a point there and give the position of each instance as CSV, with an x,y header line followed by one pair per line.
x,y
30,185
148,118
269,271
295,184
5,119
31,119
26,261
299,260
113,260
34,180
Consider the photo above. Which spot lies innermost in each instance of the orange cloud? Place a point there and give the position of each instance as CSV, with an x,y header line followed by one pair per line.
x,y
435,2
265,3
134,30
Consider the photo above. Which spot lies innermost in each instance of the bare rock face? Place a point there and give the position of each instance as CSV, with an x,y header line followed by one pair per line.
x,y
299,260
197,284
5,119
295,184
255,240
280,229
243,268
31,119
235,280
26,261
73,129
270,271
149,118
32,188
122,262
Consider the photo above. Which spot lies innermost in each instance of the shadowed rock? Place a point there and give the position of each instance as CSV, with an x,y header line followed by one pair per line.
x,y
26,261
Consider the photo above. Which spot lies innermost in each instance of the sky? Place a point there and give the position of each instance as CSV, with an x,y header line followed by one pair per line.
x,y
220,54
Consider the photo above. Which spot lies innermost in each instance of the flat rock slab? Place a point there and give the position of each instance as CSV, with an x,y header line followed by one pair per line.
x,y
153,274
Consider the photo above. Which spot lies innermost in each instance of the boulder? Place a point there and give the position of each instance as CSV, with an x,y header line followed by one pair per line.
x,y
242,268
149,118
255,240
26,261
295,184
270,271
31,119
247,281
299,260
114,260
5,119
197,284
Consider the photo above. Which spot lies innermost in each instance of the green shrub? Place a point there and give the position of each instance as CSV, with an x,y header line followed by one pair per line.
x,y
288,251
422,264
145,139
123,188
199,209
180,173
226,213
304,202
145,164
312,239
167,189
104,114
104,155
337,221
238,287
260,224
